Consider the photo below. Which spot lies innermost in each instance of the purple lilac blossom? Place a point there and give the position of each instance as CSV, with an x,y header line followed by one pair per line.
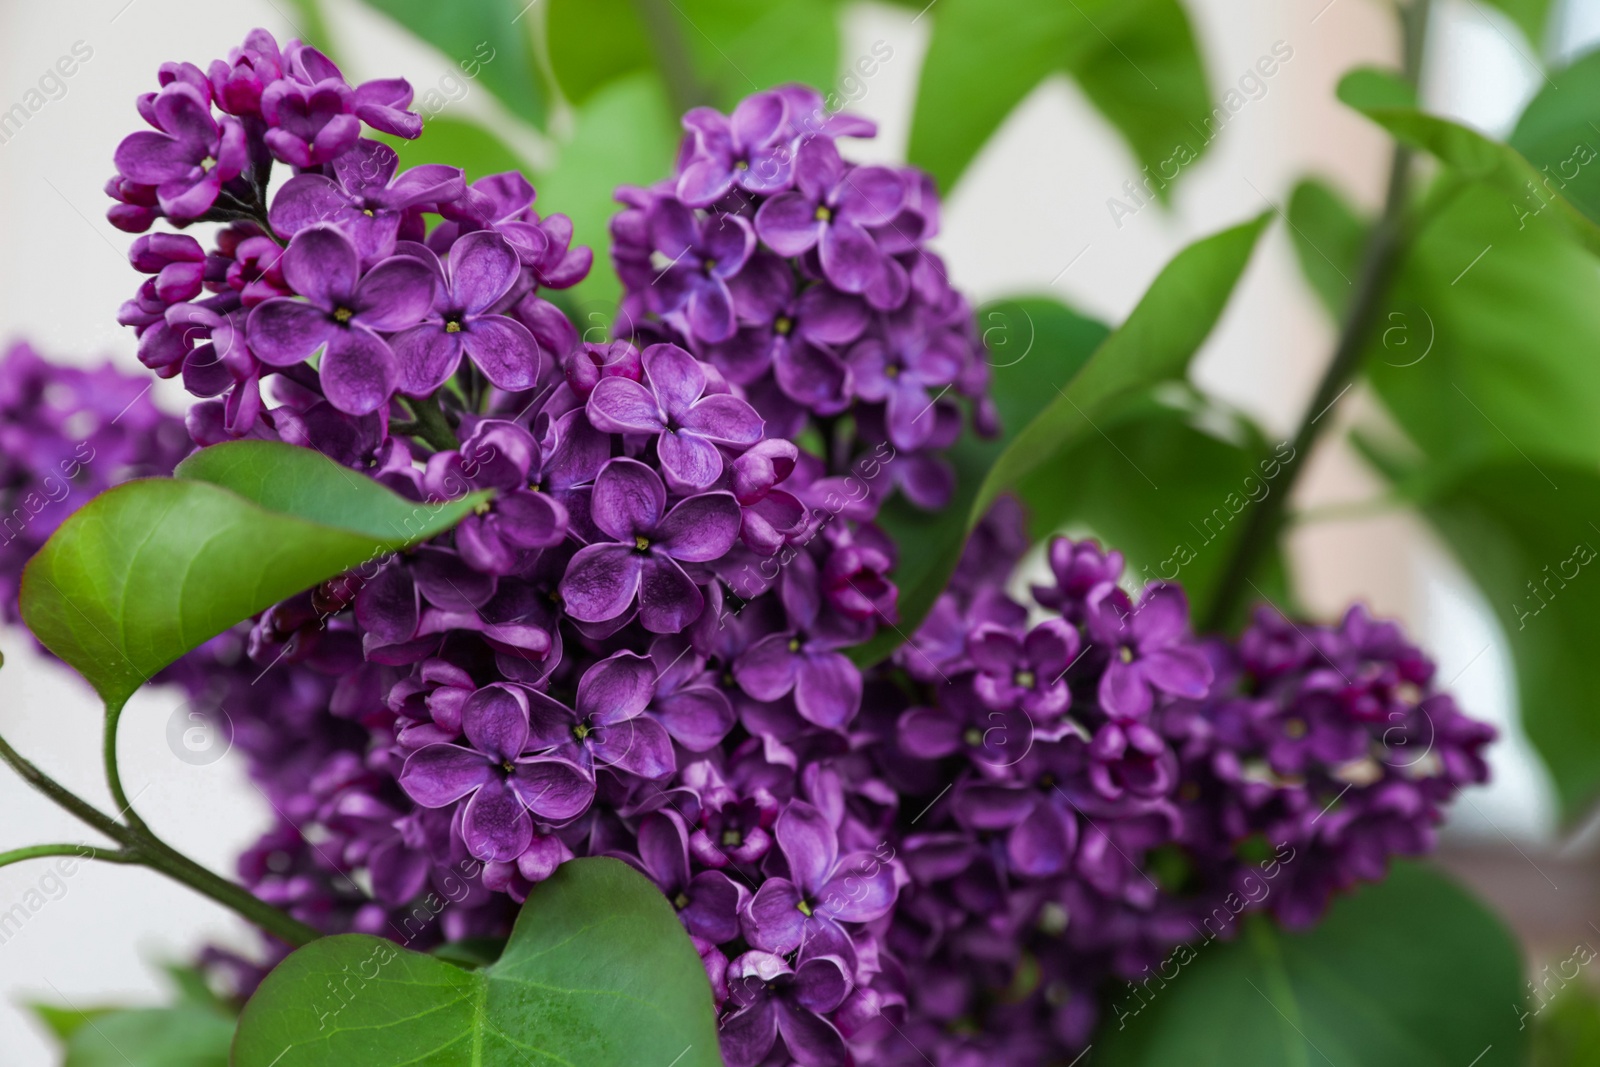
x,y
637,648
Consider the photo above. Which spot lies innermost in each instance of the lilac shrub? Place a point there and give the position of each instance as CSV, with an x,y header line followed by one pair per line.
x,y
638,647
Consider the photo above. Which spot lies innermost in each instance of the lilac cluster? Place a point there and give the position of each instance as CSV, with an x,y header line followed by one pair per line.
x,y
66,434
393,280
1102,788
638,647
807,281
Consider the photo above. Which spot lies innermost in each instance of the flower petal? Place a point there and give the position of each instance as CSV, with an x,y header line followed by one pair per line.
x,y
668,598
443,774
504,350
618,687
495,720
552,788
495,825
483,268
628,499
601,582
282,332
358,372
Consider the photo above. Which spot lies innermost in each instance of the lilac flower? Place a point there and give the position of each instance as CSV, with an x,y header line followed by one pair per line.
x,y
1080,567
1147,649
607,725
502,782
830,210
821,891
482,270
1029,672
672,404
343,311
309,125
188,156
503,456
708,903
826,685
641,563
899,369
365,198
748,150
773,1000
798,344
699,257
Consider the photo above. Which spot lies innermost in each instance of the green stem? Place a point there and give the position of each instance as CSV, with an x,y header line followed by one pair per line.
x,y
85,852
672,55
141,846
119,796
430,424
1385,247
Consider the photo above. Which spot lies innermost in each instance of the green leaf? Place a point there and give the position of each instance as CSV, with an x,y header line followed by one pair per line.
x,y
1328,237
148,570
1136,60
1030,342
623,137
598,972
64,1022
1168,484
456,143
735,47
1171,321
593,42
491,37
1566,1029
1382,98
1409,972
186,1036
1557,134
1061,404
1485,341
1530,547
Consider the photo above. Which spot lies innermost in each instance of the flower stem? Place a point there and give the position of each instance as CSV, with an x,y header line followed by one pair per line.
x,y
1384,249
119,796
430,424
86,852
141,846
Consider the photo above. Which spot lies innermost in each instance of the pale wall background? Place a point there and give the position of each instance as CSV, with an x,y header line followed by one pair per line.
x,y
1034,203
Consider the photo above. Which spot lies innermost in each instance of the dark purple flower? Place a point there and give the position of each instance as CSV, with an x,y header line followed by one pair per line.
x,y
708,903
747,149
798,345
641,561
826,685
672,404
309,125
499,455
343,310
365,198
821,891
607,725
830,210
482,269
900,368
1148,646
773,999
1080,567
189,154
1028,672
505,783
698,257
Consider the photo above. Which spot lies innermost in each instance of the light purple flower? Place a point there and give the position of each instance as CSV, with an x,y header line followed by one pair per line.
x,y
641,562
504,784
672,403
343,310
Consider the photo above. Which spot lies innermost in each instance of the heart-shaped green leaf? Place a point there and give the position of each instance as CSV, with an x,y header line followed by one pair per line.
x,y
598,972
146,571
1411,971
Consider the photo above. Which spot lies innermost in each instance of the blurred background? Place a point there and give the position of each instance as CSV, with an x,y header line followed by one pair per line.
x,y
1032,215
